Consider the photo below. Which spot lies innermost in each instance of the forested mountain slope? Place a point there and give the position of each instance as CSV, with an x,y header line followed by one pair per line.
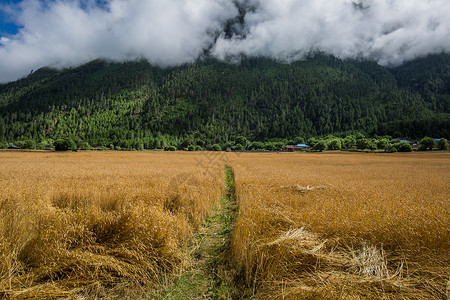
x,y
430,76
209,102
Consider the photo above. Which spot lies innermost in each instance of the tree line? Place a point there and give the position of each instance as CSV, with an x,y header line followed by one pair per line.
x,y
330,142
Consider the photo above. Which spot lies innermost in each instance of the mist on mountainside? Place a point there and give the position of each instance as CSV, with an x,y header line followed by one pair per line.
x,y
174,32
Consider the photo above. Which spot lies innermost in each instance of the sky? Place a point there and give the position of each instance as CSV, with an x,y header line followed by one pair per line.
x,y
65,33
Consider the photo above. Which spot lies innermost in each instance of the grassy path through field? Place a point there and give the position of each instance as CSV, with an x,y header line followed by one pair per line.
x,y
211,275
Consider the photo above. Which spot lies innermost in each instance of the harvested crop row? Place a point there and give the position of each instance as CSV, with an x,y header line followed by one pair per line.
x,y
97,224
343,225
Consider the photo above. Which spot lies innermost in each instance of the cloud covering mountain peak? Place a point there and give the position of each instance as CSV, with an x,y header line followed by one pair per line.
x,y
62,33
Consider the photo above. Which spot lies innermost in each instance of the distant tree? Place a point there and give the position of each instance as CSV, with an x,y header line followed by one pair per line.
x,y
349,141
256,146
216,147
427,143
279,145
329,137
363,143
404,147
299,140
392,148
383,144
158,144
359,135
20,144
79,142
191,148
186,143
238,147
200,143
312,142
86,146
290,142
242,140
65,145
442,144
44,144
320,145
170,148
270,147
372,145
29,144
335,144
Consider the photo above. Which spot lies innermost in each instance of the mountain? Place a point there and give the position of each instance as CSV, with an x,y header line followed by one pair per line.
x,y
430,77
135,104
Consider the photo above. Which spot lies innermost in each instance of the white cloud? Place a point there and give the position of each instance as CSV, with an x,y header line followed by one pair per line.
x,y
390,31
63,33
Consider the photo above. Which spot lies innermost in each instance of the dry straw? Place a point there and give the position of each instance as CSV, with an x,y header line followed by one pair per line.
x,y
95,224
343,226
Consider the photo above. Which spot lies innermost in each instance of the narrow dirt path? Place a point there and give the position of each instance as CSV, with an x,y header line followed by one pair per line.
x,y
211,275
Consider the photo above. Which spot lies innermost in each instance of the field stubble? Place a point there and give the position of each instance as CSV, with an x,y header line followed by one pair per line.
x,y
310,226
343,226
99,224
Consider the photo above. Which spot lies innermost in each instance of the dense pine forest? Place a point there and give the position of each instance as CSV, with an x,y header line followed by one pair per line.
x,y
134,105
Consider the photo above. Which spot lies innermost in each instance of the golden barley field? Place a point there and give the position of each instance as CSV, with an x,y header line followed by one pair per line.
x,y
92,224
331,225
343,225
